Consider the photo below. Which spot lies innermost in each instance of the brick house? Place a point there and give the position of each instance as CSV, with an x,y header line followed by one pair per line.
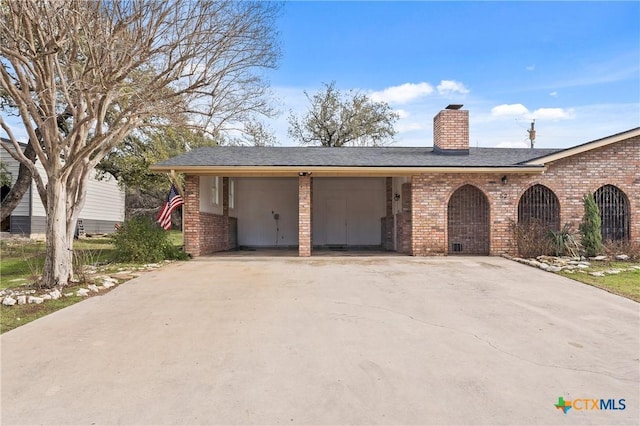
x,y
445,199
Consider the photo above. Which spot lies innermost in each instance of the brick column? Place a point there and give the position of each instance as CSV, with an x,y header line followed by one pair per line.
x,y
191,225
389,197
404,222
387,221
225,214
304,215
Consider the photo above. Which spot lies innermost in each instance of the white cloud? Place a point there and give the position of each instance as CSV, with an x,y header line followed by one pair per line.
x,y
553,94
512,145
402,113
553,114
402,94
409,127
509,110
530,67
449,87
521,111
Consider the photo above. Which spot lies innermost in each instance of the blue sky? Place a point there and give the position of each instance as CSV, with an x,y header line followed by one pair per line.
x,y
574,67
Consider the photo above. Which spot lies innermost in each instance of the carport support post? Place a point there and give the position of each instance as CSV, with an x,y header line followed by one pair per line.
x,y
304,214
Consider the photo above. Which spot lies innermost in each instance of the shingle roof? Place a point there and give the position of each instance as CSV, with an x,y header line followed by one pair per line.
x,y
353,157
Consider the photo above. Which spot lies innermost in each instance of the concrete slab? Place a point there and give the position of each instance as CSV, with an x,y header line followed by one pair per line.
x,y
331,340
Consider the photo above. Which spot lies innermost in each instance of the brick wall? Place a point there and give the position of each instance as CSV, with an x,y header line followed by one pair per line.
x,y
570,178
191,226
204,233
305,193
451,130
386,222
403,221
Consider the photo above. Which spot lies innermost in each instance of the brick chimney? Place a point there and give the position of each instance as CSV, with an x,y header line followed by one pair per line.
x,y
451,131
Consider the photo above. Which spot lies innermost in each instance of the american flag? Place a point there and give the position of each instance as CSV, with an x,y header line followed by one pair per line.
x,y
173,200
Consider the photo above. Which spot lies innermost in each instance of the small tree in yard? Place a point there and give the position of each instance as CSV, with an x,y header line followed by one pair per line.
x,y
85,74
591,237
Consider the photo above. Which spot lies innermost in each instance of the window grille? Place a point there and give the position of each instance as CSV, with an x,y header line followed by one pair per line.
x,y
539,204
468,221
614,213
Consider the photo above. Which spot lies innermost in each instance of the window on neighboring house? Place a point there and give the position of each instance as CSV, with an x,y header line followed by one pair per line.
x,y
232,194
215,191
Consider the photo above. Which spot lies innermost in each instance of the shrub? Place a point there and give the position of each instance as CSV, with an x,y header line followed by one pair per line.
x,y
631,249
590,234
141,240
564,242
531,238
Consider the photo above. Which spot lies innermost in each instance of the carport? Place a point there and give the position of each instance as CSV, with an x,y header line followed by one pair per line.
x,y
346,215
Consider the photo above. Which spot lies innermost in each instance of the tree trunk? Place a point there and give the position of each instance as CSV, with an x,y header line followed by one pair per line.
x,y
58,269
10,202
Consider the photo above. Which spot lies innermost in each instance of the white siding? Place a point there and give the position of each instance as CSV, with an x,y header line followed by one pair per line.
x,y
105,199
22,209
207,204
359,203
37,208
257,200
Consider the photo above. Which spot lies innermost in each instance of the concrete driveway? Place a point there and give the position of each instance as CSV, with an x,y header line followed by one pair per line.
x,y
330,340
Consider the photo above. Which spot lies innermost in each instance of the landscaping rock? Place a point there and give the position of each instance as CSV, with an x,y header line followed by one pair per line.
x,y
9,301
55,294
612,271
45,296
22,299
583,265
598,258
543,266
597,274
93,288
108,283
622,257
83,292
68,294
35,300
553,268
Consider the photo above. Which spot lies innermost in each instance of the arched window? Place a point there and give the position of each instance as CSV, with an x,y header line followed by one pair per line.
x,y
539,204
614,213
468,221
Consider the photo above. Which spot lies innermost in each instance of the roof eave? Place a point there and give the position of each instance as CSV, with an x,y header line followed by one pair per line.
x,y
334,171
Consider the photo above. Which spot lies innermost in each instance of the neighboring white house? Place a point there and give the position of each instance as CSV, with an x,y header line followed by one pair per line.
x,y
103,208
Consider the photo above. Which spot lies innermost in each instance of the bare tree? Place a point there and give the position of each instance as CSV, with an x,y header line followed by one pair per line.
x,y
254,133
114,66
336,119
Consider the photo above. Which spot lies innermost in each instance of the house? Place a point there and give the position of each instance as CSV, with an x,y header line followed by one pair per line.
x,y
447,199
104,205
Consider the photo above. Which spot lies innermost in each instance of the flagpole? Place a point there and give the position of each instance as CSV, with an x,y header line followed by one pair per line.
x,y
174,181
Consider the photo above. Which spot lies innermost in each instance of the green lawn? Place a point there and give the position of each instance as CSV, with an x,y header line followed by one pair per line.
x,y
626,283
22,261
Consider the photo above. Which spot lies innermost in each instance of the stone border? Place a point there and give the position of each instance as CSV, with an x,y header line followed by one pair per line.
x,y
11,297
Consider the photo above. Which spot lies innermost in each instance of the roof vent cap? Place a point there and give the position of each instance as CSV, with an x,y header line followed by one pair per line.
x,y
454,106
